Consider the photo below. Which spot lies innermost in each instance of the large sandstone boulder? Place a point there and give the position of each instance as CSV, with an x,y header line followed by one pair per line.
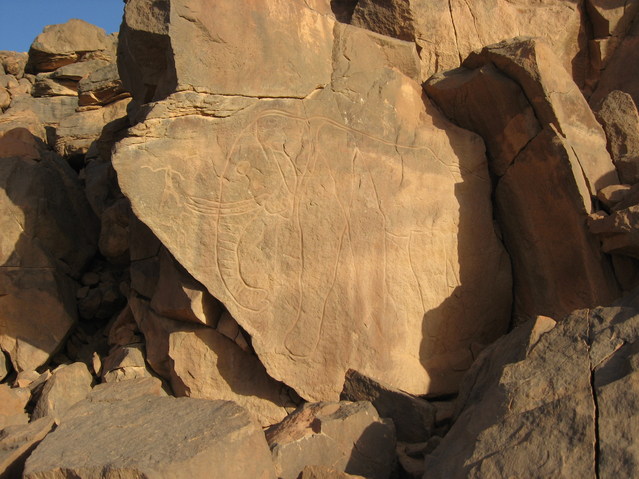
x,y
550,401
549,158
348,437
69,42
153,437
68,385
351,228
446,31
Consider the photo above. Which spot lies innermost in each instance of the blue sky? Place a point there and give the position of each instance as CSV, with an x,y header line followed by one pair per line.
x,y
23,20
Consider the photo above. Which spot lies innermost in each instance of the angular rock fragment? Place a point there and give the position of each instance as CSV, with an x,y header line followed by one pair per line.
x,y
619,231
124,363
199,362
101,87
620,120
280,207
414,418
14,401
68,385
345,436
154,437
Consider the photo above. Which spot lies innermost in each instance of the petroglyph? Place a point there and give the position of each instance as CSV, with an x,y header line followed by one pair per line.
x,y
323,236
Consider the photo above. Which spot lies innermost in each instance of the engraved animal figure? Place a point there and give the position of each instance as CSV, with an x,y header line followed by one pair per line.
x,y
327,185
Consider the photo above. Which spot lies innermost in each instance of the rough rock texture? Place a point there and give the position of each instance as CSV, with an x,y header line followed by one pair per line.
x,y
345,436
550,401
77,132
339,233
101,87
49,234
549,156
414,418
200,362
446,31
621,65
619,230
114,436
59,45
620,120
14,401
17,443
68,385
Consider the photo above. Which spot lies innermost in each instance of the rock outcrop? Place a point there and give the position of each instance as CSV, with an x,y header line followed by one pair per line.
x,y
267,207
292,174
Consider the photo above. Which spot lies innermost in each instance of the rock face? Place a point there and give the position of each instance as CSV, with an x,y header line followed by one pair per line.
x,y
551,401
338,233
113,436
446,31
549,157
348,437
48,237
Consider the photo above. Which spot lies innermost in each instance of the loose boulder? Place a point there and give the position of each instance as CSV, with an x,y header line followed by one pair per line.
x,y
199,438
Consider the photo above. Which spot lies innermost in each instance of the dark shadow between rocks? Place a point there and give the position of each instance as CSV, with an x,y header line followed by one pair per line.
x,y
449,319
343,9
56,240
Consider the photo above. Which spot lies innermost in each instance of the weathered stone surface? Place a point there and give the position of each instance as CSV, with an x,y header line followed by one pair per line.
x,y
556,100
14,62
414,418
45,86
78,71
17,443
14,401
557,264
550,401
181,297
611,17
68,385
618,231
620,120
49,234
5,366
145,437
77,132
126,390
490,104
446,31
613,194
201,363
393,198
622,69
50,110
101,87
124,363
65,43
209,48
5,99
345,436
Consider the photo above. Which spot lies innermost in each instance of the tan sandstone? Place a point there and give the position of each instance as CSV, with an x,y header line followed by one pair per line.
x,y
349,229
